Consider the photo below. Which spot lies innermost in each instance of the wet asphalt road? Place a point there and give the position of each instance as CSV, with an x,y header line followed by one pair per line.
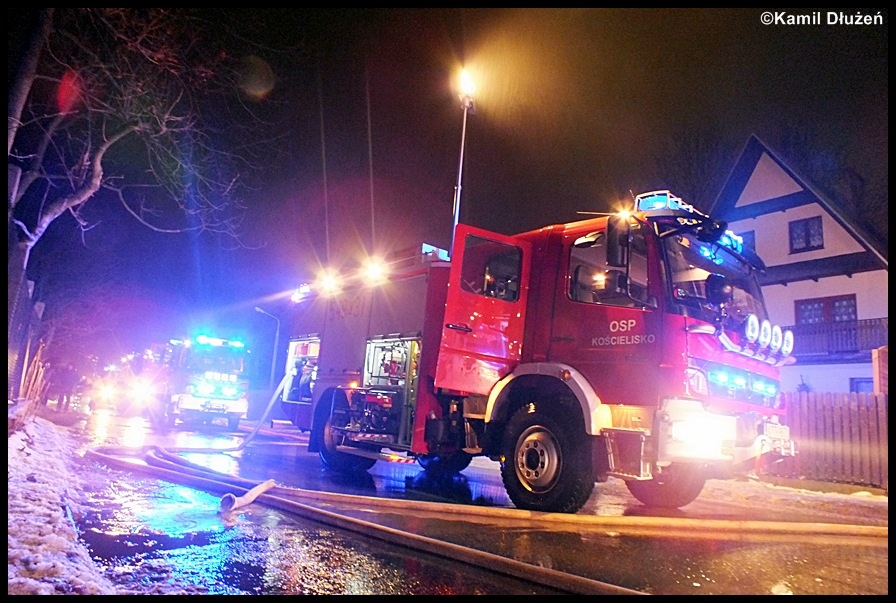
x,y
678,558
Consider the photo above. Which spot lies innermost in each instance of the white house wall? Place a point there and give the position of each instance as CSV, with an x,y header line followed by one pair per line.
x,y
823,377
768,181
760,186
773,235
870,289
872,301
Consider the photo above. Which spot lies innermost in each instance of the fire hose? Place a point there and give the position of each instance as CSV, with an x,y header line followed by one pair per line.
x,y
166,464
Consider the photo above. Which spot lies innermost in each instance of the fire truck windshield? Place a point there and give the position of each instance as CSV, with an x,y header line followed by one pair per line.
x,y
217,359
690,261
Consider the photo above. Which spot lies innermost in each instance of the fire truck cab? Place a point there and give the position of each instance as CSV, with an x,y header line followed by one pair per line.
x,y
201,379
635,345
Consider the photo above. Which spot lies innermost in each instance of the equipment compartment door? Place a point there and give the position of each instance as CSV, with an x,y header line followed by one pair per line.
x,y
485,310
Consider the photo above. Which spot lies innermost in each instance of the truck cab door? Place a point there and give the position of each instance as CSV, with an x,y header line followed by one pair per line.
x,y
485,310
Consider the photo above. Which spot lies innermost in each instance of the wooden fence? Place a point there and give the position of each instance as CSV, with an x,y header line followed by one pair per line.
x,y
840,438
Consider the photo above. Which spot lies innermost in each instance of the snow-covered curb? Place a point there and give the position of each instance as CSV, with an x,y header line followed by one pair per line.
x,y
45,556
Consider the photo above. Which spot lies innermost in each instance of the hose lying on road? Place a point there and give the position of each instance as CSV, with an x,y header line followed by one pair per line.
x,y
161,468
165,464
695,527
229,502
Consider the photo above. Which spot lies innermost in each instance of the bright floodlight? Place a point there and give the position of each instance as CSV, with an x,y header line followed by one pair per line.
x,y
301,292
375,271
467,86
328,284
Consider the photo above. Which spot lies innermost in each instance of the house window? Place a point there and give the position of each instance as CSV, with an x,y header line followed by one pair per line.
x,y
749,238
806,235
823,310
861,385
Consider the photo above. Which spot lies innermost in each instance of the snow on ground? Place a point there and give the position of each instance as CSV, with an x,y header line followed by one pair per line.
x,y
45,556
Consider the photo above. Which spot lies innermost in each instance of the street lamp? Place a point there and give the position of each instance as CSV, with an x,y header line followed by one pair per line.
x,y
276,344
466,98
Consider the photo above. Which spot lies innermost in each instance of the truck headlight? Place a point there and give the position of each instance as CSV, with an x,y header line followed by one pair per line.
x,y
686,431
231,391
702,437
204,388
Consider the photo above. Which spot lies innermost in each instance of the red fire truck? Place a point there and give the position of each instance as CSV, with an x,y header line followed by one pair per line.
x,y
633,345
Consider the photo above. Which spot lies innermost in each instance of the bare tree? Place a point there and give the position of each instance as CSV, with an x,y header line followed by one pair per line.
x,y
694,164
828,167
137,107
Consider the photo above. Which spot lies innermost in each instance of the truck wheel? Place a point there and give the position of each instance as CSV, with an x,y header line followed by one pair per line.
x,y
676,486
335,460
233,423
156,418
445,464
546,464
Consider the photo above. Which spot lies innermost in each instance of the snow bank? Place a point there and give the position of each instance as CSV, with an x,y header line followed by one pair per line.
x,y
45,556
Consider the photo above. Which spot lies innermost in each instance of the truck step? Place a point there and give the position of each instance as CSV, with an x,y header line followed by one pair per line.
x,y
389,457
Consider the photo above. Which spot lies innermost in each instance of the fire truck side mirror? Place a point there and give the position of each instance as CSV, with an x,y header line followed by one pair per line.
x,y
710,231
617,240
719,290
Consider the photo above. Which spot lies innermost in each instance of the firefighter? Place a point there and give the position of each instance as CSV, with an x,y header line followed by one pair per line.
x,y
304,378
65,379
307,379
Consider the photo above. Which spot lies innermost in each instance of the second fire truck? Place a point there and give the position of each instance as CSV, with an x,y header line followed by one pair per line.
x,y
635,345
196,380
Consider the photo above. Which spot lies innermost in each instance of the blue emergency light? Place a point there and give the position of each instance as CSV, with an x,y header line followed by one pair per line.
x,y
218,342
656,200
665,200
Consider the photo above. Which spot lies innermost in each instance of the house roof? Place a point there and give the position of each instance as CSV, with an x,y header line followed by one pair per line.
x,y
792,192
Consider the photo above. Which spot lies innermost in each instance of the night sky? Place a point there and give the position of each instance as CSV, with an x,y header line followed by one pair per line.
x,y
571,110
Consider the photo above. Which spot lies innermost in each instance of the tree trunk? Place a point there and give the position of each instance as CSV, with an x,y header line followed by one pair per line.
x,y
20,86
18,259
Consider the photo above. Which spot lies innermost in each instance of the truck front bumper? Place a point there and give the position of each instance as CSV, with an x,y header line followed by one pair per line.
x,y
188,404
685,432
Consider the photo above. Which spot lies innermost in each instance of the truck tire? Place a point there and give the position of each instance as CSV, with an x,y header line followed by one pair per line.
x,y
156,419
340,461
546,463
445,464
676,486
